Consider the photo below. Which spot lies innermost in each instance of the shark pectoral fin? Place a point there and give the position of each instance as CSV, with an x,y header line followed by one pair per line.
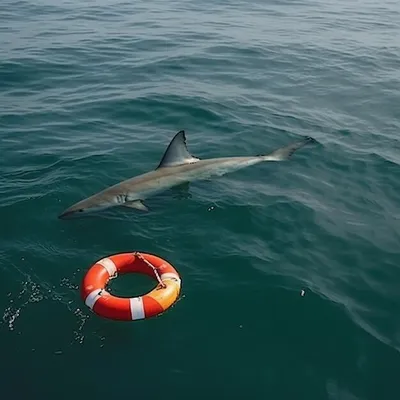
x,y
137,204
177,152
284,153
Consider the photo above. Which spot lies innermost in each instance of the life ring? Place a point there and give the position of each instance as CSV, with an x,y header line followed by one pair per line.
x,y
102,303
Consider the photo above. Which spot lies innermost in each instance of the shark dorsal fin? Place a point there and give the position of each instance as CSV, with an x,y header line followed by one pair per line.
x,y
177,152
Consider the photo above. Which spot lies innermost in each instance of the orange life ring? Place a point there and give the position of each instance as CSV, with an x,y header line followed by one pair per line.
x,y
104,304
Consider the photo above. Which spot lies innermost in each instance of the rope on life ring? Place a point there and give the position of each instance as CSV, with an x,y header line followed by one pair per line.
x,y
102,303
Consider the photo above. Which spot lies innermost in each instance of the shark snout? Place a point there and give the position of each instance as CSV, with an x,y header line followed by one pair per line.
x,y
70,213
63,215
75,210
85,207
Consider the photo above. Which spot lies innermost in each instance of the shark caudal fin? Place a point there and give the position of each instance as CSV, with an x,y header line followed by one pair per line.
x,y
177,152
284,153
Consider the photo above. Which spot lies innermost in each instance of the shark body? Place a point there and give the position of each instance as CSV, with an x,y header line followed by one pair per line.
x,y
176,167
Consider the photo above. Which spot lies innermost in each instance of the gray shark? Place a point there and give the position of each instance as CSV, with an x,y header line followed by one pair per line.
x,y
176,167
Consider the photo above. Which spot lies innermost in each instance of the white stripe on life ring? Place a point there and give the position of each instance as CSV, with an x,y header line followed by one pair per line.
x,y
92,298
109,265
169,275
137,308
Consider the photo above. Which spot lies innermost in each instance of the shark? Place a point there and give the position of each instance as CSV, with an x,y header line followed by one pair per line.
x,y
177,166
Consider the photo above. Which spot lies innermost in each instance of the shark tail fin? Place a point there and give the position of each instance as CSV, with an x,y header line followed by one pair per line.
x,y
284,153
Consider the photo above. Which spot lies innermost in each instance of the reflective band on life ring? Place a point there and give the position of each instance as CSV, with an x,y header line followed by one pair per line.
x,y
97,298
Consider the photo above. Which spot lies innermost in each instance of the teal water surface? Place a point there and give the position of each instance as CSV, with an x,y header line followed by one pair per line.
x,y
91,93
